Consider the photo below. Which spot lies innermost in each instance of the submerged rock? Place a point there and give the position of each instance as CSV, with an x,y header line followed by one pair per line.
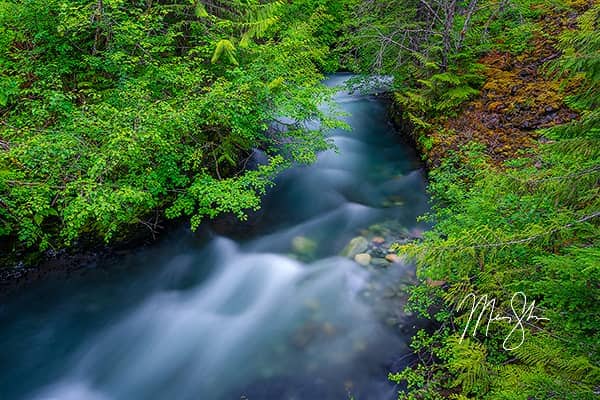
x,y
305,334
363,259
390,230
312,304
356,246
389,203
378,252
328,329
303,245
359,345
380,262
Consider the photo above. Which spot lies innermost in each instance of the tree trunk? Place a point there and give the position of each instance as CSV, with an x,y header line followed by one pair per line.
x,y
450,11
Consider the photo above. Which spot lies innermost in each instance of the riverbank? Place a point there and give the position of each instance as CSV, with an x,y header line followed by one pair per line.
x,y
514,177
27,268
519,97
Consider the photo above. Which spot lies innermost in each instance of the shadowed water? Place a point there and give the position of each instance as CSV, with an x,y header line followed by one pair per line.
x,y
275,315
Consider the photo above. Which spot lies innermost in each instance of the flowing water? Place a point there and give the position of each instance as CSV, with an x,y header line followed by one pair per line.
x,y
274,315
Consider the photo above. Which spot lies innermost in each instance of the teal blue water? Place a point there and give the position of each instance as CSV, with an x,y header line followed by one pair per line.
x,y
202,316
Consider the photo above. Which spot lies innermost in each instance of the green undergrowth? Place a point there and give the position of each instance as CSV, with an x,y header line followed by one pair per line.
x,y
115,115
529,227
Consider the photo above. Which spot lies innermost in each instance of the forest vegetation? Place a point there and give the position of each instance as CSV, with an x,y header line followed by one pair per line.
x,y
502,98
119,114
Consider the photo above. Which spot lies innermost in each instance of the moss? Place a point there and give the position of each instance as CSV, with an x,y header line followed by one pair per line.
x,y
517,98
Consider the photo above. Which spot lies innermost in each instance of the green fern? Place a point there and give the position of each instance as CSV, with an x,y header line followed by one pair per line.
x,y
469,366
224,48
258,19
581,60
250,21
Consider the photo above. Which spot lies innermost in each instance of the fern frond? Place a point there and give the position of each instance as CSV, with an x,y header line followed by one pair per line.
x,y
224,48
469,365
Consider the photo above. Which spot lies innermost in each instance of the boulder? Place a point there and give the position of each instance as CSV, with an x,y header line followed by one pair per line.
x,y
356,246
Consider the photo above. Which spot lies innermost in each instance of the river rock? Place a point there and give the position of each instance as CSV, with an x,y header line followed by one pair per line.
x,y
380,262
303,245
312,304
363,259
392,203
305,334
378,240
378,252
393,258
356,246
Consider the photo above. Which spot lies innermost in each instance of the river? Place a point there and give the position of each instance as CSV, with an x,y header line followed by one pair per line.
x,y
275,314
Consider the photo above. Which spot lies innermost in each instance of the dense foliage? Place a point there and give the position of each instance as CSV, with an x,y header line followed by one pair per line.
x,y
523,223
430,47
116,113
